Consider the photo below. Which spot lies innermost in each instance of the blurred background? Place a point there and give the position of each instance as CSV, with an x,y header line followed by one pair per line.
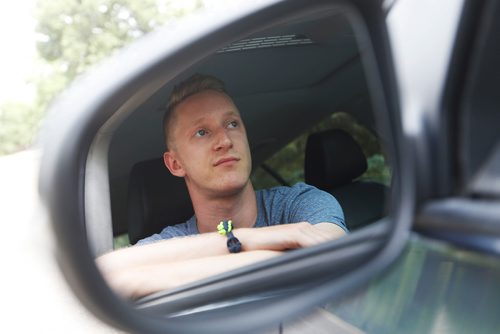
x,y
47,43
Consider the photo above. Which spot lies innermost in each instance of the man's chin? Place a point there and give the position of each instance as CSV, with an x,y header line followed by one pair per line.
x,y
230,189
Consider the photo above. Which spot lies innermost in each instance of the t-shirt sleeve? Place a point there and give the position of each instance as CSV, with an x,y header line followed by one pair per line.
x,y
310,204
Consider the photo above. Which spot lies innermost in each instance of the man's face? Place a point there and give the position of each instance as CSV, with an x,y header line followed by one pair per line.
x,y
208,145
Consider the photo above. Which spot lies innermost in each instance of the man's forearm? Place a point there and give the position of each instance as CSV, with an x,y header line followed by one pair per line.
x,y
187,248
276,238
136,271
167,251
143,280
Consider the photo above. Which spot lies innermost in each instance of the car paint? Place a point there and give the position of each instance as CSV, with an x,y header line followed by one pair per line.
x,y
434,287
441,283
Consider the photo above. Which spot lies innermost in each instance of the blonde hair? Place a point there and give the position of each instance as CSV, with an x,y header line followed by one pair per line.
x,y
195,84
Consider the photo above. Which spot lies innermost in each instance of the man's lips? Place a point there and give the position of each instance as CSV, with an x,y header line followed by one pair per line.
x,y
225,160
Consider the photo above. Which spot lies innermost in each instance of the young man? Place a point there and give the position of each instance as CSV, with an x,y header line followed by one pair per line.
x,y
207,145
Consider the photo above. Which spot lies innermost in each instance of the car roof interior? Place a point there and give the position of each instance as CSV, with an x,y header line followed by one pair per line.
x,y
283,80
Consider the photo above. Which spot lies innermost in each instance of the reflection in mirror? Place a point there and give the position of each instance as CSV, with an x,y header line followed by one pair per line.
x,y
270,146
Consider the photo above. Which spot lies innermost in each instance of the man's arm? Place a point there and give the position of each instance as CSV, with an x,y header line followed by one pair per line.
x,y
333,231
140,270
278,238
139,281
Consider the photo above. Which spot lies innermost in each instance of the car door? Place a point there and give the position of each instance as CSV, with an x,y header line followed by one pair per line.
x,y
447,280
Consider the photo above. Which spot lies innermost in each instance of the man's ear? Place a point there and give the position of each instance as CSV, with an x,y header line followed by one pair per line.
x,y
173,165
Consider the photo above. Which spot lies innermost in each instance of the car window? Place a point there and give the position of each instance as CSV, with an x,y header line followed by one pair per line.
x,y
286,167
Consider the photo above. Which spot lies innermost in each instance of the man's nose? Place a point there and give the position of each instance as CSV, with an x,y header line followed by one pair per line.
x,y
223,140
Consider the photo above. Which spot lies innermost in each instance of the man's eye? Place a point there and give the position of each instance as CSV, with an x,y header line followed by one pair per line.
x,y
201,133
232,124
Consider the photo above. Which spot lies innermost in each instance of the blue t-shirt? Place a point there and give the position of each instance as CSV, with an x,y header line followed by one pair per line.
x,y
275,206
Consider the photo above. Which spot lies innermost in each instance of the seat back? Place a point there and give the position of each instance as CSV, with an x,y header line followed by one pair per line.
x,y
156,199
333,162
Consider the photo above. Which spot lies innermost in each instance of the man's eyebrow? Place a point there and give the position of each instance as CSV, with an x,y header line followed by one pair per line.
x,y
199,120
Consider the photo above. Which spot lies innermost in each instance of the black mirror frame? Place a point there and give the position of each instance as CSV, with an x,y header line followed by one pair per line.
x,y
94,99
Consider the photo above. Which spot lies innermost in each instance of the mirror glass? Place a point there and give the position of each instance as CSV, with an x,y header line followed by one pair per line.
x,y
292,136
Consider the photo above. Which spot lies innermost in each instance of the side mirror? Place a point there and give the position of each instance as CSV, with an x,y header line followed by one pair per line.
x,y
89,116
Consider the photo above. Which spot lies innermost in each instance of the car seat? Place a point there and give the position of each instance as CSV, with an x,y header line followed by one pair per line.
x,y
156,199
333,162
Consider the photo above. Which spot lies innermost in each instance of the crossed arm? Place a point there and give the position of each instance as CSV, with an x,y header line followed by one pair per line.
x,y
139,271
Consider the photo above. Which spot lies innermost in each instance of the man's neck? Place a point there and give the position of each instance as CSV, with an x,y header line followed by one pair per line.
x,y
241,208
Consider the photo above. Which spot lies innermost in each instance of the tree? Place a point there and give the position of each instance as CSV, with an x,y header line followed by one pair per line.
x,y
73,35
19,120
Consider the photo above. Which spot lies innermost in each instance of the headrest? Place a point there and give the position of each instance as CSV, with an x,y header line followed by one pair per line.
x,y
155,200
332,159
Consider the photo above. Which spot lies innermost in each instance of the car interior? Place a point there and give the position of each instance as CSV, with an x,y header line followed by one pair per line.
x,y
302,91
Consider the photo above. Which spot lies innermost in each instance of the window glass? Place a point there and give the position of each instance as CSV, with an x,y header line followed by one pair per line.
x,y
288,164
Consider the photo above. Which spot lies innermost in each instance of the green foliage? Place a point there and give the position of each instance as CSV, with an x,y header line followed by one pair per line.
x,y
378,170
19,122
73,35
289,161
121,241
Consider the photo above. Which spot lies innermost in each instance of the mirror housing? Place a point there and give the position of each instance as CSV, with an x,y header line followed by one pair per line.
x,y
138,72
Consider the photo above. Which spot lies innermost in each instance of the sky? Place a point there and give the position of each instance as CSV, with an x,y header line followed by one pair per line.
x,y
17,59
